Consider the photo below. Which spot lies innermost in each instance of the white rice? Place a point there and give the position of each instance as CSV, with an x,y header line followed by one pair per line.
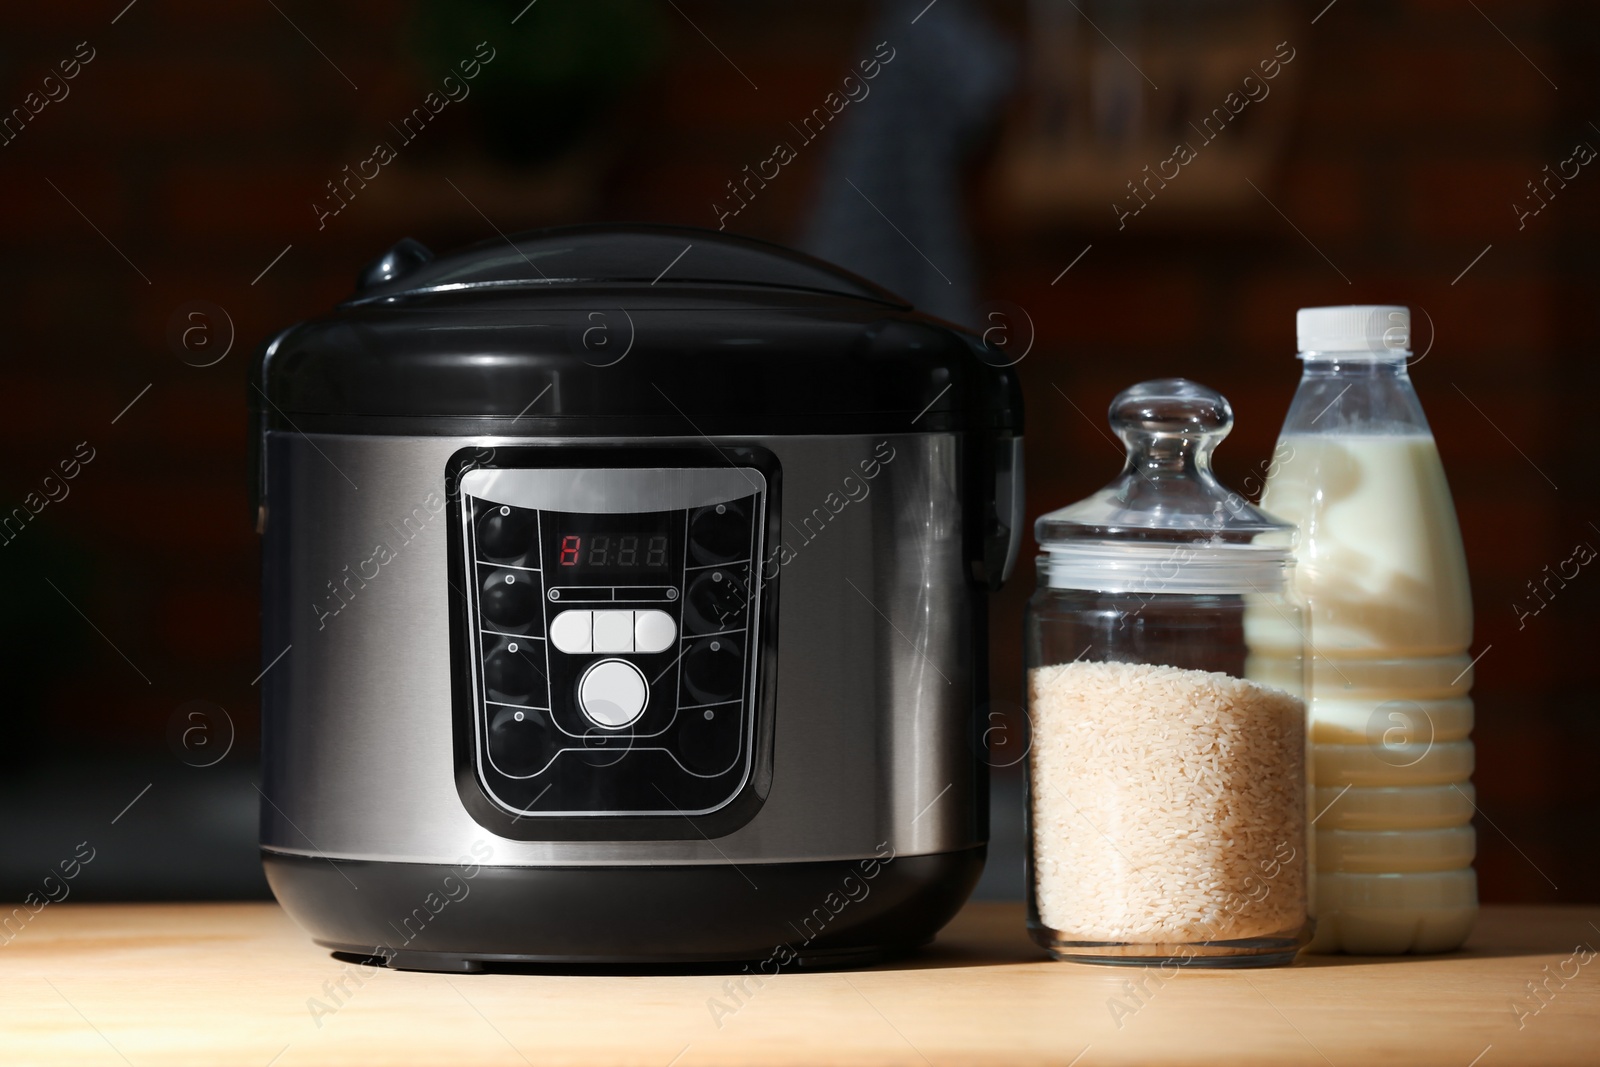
x,y
1164,800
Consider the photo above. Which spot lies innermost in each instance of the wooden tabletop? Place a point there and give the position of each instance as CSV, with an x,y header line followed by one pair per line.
x,y
239,984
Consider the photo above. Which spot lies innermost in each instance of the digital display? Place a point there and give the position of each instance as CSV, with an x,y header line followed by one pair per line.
x,y
613,550
634,547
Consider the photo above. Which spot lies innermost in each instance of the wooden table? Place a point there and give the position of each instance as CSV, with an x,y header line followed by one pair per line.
x,y
239,984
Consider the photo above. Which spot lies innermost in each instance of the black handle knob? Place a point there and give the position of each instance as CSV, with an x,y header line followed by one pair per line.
x,y
406,256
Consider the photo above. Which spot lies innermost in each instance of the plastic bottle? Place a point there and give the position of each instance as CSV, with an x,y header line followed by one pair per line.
x,y
1382,571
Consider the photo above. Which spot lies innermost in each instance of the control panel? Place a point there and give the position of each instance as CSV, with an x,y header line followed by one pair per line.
x,y
613,619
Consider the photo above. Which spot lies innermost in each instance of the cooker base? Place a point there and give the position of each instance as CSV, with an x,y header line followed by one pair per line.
x,y
762,918
451,963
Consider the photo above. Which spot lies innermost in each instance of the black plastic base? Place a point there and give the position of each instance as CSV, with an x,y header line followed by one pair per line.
x,y
777,916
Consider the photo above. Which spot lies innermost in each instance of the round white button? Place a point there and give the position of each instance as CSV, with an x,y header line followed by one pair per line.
x,y
613,693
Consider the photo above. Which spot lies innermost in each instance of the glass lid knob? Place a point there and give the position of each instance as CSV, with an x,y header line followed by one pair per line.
x,y
1166,490
1171,424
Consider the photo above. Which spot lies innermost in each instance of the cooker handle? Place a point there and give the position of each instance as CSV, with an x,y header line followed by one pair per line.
x,y
1004,537
257,444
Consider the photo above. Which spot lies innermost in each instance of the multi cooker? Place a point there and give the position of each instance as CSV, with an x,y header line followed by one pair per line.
x,y
624,597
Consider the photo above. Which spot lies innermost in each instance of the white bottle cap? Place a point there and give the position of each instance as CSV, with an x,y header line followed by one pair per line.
x,y
1372,331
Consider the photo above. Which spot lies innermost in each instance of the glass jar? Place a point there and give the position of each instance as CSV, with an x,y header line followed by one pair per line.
x,y
1167,775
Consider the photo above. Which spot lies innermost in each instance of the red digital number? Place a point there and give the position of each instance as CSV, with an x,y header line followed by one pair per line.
x,y
569,550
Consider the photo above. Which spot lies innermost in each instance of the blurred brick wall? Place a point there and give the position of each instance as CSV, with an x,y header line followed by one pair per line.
x,y
200,134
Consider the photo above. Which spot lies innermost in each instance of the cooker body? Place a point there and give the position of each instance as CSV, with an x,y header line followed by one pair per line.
x,y
457,772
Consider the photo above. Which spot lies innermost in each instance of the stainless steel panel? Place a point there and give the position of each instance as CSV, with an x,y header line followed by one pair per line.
x,y
875,691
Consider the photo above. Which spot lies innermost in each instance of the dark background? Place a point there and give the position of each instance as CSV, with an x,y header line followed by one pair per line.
x,y
1383,167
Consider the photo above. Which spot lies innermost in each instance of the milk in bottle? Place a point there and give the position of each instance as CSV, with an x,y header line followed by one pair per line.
x,y
1381,568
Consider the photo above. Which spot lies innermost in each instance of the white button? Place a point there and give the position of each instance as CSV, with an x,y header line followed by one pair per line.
x,y
570,631
613,693
613,631
652,631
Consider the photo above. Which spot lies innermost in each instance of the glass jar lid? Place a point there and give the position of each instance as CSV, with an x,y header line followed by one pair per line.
x,y
1165,523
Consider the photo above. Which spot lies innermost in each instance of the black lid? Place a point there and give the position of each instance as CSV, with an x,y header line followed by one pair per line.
x,y
615,330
